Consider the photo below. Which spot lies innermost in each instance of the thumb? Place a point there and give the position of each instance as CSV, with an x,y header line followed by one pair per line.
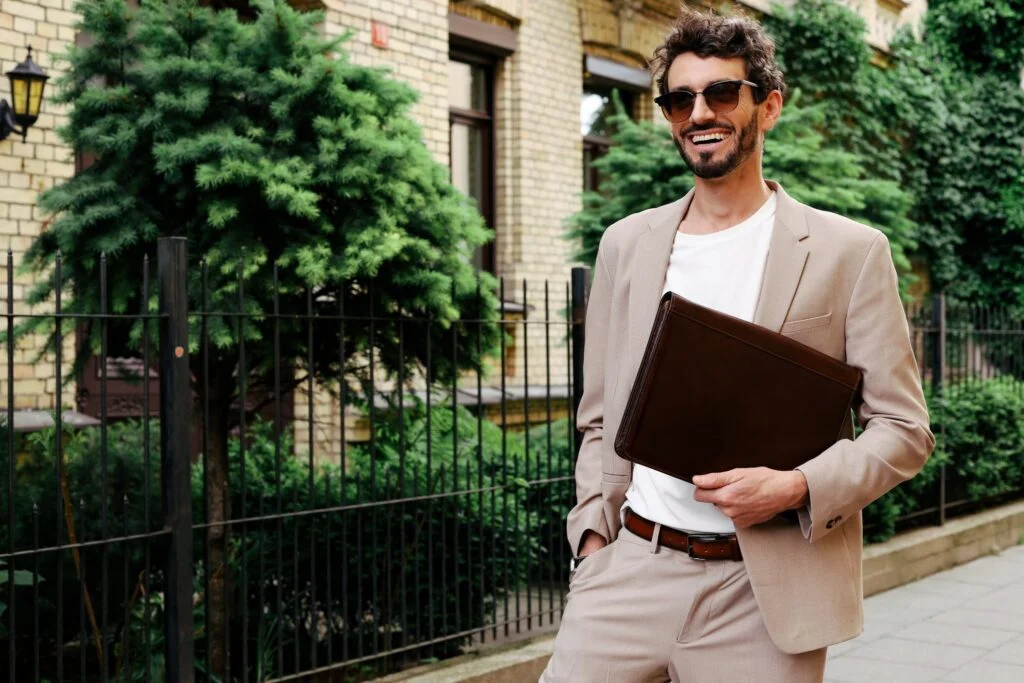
x,y
713,480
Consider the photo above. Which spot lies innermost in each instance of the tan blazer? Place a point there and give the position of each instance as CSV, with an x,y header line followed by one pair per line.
x,y
830,283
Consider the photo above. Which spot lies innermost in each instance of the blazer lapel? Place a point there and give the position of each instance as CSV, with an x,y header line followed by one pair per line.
x,y
647,279
787,255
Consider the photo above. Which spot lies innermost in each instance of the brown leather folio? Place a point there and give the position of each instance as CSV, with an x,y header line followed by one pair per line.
x,y
715,392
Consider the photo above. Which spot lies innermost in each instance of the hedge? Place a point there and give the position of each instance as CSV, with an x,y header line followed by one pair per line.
x,y
980,438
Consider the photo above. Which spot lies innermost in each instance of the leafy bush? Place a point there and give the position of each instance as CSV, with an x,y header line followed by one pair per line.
x,y
980,430
386,573
370,573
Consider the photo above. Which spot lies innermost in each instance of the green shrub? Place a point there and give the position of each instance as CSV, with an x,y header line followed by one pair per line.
x,y
397,572
369,574
979,429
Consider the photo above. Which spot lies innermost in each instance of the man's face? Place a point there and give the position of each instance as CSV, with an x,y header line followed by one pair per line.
x,y
710,160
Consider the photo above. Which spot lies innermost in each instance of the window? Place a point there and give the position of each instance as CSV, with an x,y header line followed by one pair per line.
x,y
596,108
602,77
470,137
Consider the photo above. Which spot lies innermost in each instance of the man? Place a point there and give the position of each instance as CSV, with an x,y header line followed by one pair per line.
x,y
648,601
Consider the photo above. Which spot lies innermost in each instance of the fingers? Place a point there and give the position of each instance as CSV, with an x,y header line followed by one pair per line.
x,y
715,480
713,496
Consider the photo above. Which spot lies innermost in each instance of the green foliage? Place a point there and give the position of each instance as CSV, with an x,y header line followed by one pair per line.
x,y
979,36
827,177
470,535
823,52
980,430
21,578
264,145
140,650
963,165
643,169
821,46
944,119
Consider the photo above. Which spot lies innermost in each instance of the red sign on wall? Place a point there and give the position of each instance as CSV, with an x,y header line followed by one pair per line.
x,y
379,34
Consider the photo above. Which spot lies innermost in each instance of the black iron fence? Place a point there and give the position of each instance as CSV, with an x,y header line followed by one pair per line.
x,y
971,360
260,522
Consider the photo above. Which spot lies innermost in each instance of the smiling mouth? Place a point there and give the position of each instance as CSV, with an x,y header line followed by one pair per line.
x,y
708,141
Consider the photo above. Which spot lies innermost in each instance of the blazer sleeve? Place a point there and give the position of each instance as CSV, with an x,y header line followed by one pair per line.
x,y
896,439
587,514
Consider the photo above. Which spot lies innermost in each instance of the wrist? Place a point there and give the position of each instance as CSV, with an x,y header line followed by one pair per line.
x,y
592,542
799,492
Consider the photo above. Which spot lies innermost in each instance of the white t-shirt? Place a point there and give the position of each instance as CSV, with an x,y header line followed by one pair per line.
x,y
723,271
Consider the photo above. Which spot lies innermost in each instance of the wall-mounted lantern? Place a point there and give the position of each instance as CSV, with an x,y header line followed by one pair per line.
x,y
27,83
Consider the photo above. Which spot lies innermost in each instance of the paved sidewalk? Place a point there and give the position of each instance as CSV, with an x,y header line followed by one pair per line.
x,y
961,625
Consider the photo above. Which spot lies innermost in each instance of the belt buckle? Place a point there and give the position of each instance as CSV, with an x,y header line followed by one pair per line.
x,y
703,538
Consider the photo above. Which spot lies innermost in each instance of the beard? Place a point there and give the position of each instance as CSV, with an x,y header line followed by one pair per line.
x,y
703,167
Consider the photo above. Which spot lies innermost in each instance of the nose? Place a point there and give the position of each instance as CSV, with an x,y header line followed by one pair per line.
x,y
701,113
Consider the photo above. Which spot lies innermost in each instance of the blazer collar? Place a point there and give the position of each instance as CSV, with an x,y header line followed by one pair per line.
x,y
787,254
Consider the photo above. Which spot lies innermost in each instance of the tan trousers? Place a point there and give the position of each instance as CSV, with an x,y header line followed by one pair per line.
x,y
638,612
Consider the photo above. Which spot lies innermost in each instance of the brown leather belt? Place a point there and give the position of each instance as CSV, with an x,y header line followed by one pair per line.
x,y
697,546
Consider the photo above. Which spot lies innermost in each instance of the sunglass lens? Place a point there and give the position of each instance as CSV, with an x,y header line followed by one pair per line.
x,y
722,98
678,105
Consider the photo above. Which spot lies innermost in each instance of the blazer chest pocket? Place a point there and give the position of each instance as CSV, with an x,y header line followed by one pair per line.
x,y
805,324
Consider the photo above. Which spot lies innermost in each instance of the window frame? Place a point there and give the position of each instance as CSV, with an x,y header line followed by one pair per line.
x,y
484,122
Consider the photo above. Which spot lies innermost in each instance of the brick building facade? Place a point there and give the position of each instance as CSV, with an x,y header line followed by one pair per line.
x,y
504,85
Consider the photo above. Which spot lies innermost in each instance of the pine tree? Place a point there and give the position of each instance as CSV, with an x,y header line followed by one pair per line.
x,y
643,169
264,146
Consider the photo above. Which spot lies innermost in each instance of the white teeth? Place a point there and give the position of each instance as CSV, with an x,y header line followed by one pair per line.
x,y
711,136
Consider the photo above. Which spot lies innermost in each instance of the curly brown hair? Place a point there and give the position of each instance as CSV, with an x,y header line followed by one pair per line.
x,y
708,34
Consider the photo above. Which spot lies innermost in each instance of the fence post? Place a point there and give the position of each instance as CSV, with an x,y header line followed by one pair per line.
x,y
175,459
938,378
580,296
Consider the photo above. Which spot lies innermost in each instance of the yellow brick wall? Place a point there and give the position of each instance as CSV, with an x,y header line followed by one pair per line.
x,y
417,52
26,168
540,165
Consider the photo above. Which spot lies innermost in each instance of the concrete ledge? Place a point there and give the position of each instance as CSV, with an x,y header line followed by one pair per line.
x,y
916,554
516,663
904,558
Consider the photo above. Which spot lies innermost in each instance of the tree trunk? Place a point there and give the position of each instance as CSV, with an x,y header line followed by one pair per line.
x,y
218,511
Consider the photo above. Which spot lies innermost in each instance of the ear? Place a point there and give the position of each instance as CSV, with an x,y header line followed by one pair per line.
x,y
770,110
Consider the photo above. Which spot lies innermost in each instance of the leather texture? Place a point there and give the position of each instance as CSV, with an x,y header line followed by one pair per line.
x,y
697,546
829,283
698,404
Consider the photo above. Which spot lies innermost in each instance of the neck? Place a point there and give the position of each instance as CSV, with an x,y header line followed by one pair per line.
x,y
721,203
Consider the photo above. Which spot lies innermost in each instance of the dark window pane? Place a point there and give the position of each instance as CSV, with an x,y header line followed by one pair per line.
x,y
467,86
467,160
596,107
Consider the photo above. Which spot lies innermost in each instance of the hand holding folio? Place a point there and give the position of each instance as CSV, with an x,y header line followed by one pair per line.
x,y
752,495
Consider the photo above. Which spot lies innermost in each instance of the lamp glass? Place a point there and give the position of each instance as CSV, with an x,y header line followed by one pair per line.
x,y
35,97
19,96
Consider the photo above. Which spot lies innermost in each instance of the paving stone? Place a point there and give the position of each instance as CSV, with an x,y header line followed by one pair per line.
x,y
1005,621
1010,653
879,609
954,634
906,598
987,571
875,629
1014,554
843,648
891,649
986,672
954,590
850,669
1007,599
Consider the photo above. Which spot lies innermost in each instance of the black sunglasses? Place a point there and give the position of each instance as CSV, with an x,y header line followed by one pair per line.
x,y
721,98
